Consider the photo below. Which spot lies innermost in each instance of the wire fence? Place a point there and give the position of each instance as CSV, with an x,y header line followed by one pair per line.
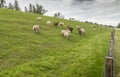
x,y
109,59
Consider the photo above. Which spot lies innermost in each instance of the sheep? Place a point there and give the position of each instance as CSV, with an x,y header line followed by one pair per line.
x,y
39,18
61,24
36,28
48,23
94,27
56,24
70,28
65,33
81,30
62,32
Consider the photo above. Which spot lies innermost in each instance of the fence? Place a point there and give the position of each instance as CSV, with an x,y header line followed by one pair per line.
x,y
109,59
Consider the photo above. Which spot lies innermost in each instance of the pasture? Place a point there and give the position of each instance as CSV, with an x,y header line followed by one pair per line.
x,y
25,53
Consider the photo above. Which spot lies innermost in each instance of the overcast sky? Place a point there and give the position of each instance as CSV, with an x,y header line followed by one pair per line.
x,y
100,11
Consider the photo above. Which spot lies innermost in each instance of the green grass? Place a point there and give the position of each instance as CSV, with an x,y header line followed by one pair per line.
x,y
117,53
24,53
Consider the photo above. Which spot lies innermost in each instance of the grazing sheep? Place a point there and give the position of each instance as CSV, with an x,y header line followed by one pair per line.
x,y
39,18
94,28
62,32
36,28
81,30
61,24
48,23
56,24
70,28
65,33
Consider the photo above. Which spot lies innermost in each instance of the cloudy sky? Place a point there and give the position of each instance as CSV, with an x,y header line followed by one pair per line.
x,y
105,12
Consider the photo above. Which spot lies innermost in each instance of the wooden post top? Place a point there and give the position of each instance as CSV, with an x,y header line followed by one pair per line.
x,y
111,58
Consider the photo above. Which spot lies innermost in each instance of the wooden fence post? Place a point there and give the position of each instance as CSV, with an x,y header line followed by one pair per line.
x,y
111,48
109,67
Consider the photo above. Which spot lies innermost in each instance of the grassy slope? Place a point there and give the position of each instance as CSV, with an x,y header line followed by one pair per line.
x,y
24,53
117,53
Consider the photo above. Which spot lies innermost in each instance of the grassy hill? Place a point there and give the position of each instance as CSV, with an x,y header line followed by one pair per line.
x,y
24,53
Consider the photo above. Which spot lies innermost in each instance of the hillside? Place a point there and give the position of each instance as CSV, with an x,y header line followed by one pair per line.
x,y
24,53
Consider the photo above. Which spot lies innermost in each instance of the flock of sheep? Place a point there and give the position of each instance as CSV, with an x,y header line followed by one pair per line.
x,y
65,32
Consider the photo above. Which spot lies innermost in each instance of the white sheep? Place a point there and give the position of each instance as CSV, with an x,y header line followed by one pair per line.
x,y
94,27
36,28
48,23
61,24
62,32
81,30
39,18
65,33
